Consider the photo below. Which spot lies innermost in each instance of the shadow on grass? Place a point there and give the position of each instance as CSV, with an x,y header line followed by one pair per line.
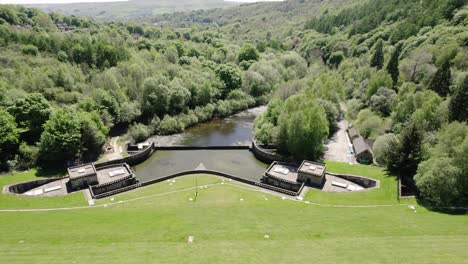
x,y
46,173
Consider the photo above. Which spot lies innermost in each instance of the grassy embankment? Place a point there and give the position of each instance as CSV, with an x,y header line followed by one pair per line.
x,y
154,228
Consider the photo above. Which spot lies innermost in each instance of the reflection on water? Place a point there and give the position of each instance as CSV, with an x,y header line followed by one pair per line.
x,y
241,163
234,130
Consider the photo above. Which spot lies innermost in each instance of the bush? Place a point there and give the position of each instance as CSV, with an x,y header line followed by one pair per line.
x,y
138,133
170,125
30,50
204,113
27,156
383,148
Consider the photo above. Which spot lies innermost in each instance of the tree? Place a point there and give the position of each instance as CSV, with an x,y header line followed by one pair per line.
x,y
331,112
93,135
157,95
302,127
458,106
384,147
377,80
377,60
442,179
336,58
247,53
382,101
61,140
437,182
255,84
9,137
392,66
408,155
442,79
31,112
180,97
230,75
30,50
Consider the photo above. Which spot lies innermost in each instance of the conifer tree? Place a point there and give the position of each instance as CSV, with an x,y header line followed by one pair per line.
x,y
392,66
458,107
377,60
442,78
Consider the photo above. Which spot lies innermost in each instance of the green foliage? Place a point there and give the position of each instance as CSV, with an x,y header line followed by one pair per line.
x,y
406,156
230,75
331,112
370,125
30,50
31,112
442,179
302,127
377,60
9,137
138,133
382,101
458,107
384,148
336,58
93,135
27,156
442,79
392,66
248,53
157,95
61,139
380,79
169,125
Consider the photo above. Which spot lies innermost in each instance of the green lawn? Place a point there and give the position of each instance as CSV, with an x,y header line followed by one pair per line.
x,y
23,202
386,194
152,224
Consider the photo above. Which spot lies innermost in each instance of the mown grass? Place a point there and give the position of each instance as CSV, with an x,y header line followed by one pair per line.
x,y
386,194
10,201
152,224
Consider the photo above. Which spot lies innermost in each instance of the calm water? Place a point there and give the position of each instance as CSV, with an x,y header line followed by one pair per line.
x,y
230,131
240,163
234,130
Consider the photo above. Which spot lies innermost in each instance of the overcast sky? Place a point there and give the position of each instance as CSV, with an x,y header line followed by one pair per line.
x,y
82,1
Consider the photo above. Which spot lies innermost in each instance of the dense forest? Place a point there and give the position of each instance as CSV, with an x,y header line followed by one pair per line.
x,y
133,10
398,67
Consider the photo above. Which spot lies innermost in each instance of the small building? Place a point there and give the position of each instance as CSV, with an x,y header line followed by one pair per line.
x,y
312,173
353,133
363,152
82,176
282,175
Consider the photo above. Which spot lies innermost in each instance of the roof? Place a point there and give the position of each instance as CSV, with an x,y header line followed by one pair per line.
x,y
353,132
82,171
360,145
312,168
282,171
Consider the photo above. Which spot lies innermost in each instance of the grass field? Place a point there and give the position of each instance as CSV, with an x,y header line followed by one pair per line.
x,y
152,224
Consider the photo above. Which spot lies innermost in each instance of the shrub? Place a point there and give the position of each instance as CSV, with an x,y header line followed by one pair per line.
x,y
30,50
138,133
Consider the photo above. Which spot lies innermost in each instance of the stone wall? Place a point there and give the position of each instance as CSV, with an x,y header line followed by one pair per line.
x,y
20,188
114,185
266,156
130,160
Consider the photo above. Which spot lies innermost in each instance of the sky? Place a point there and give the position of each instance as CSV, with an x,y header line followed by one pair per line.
x,y
91,1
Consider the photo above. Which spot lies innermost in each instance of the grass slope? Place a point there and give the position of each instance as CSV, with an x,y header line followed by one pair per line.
x,y
153,227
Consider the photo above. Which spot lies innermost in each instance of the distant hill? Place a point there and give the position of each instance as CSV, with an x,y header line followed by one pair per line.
x,y
134,10
256,21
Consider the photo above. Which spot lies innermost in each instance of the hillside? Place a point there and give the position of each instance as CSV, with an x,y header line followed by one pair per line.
x,y
399,67
256,21
134,10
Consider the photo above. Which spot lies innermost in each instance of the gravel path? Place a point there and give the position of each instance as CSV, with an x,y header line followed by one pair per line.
x,y
338,147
